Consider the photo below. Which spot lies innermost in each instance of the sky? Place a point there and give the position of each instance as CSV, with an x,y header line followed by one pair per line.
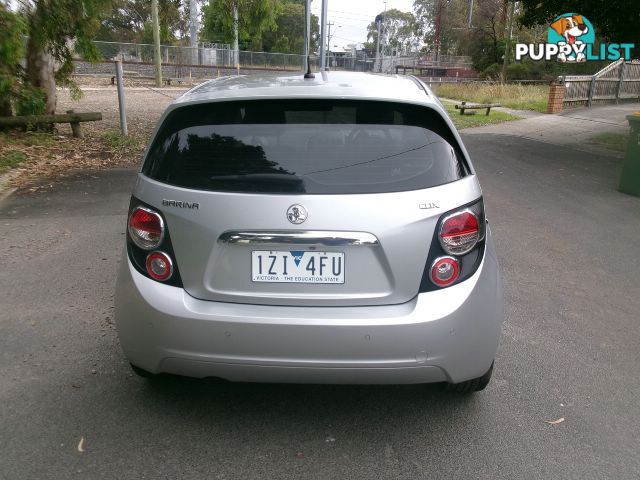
x,y
351,17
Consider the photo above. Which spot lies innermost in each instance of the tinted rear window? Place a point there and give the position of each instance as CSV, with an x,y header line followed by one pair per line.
x,y
304,146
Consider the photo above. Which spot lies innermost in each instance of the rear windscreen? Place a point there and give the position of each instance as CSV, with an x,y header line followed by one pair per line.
x,y
304,146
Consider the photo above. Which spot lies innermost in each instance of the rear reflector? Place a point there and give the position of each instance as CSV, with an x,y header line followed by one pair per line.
x,y
159,266
146,228
445,271
460,232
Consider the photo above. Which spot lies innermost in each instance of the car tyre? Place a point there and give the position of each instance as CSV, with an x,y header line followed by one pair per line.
x,y
141,372
473,385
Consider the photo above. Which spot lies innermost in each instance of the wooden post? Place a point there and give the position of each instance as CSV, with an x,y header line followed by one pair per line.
x,y
18,121
75,127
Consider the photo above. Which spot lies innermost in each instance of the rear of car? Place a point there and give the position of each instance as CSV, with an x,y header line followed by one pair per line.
x,y
297,231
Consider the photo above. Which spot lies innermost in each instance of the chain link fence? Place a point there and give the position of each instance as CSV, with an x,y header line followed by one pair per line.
x,y
199,61
211,55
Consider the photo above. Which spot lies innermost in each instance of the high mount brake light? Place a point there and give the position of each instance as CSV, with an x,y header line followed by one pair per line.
x,y
159,266
146,228
460,232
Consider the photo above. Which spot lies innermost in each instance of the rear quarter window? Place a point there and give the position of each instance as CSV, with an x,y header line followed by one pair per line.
x,y
304,146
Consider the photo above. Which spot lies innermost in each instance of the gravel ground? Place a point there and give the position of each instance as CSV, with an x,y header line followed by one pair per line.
x,y
144,105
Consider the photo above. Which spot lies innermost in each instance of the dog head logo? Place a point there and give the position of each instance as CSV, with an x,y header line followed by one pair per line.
x,y
571,38
570,32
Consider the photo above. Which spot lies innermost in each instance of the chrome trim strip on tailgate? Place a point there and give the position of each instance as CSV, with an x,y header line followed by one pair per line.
x,y
302,237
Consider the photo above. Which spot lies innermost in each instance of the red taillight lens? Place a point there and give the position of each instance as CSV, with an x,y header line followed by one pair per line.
x,y
146,228
445,271
159,266
460,232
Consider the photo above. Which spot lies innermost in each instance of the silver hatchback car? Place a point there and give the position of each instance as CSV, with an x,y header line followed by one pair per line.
x,y
326,230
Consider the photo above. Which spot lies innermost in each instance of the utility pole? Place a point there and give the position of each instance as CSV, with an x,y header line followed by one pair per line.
x,y
329,25
507,46
236,47
156,42
438,28
193,30
378,59
323,35
470,13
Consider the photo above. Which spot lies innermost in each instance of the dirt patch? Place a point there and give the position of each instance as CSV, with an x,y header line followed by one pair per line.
x,y
49,156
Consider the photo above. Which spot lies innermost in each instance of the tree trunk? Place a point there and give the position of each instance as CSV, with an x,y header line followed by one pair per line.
x,y
40,73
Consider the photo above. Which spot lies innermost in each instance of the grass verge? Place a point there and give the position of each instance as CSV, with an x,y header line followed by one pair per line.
x,y
115,141
616,142
477,120
11,159
518,97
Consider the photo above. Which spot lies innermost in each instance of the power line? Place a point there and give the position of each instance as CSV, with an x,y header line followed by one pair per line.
x,y
348,39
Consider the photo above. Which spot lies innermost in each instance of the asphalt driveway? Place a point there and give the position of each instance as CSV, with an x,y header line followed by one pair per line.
x,y
568,243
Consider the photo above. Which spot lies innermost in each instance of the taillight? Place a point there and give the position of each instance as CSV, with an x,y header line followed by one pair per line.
x,y
457,247
445,271
146,228
159,266
149,244
460,232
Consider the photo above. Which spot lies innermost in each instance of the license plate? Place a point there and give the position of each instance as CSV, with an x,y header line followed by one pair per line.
x,y
296,266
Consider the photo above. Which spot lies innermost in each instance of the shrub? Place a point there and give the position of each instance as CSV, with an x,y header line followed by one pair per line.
x,y
492,72
30,101
518,71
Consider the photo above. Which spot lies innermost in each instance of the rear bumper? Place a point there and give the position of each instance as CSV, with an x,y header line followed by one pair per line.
x,y
447,335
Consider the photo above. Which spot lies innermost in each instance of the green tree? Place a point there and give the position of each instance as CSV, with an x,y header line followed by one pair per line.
x,y
455,36
57,28
487,47
12,29
288,34
254,18
399,30
130,21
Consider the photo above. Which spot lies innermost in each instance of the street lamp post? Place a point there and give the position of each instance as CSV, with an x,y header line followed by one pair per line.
x,y
323,32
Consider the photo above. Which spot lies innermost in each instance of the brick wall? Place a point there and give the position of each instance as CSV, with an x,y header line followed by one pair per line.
x,y
556,97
